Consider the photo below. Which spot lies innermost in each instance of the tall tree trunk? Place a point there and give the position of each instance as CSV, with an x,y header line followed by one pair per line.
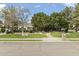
x,y
5,30
66,30
22,30
76,29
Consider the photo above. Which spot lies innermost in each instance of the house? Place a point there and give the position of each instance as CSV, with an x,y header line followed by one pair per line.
x,y
1,25
27,26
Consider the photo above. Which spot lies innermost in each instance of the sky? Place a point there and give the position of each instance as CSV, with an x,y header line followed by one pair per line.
x,y
47,8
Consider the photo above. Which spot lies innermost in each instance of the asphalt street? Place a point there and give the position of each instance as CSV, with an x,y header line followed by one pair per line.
x,y
39,48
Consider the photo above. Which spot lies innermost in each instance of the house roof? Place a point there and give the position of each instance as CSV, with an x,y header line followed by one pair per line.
x,y
28,25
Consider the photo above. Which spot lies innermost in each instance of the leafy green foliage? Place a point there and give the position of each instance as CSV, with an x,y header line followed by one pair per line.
x,y
40,22
2,29
54,22
76,18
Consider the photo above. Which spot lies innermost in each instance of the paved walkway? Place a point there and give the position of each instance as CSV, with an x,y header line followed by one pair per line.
x,y
49,35
51,38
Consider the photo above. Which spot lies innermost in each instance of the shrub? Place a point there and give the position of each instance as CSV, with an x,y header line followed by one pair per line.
x,y
2,29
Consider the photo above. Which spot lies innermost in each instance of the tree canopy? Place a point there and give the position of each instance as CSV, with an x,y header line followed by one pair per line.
x,y
55,22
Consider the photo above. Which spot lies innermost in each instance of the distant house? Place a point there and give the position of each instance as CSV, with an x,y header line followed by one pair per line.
x,y
27,26
1,25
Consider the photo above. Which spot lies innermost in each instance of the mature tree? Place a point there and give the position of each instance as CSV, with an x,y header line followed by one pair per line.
x,y
23,14
76,18
67,16
13,16
58,21
40,22
54,21
10,18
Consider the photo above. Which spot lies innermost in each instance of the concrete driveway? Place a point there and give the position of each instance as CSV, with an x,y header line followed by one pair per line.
x,y
39,48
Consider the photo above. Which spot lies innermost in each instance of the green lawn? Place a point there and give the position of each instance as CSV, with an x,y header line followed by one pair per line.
x,y
72,35
69,35
20,40
37,36
19,36
56,34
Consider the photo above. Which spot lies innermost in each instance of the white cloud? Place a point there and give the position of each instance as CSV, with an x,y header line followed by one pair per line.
x,y
37,6
70,4
2,6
